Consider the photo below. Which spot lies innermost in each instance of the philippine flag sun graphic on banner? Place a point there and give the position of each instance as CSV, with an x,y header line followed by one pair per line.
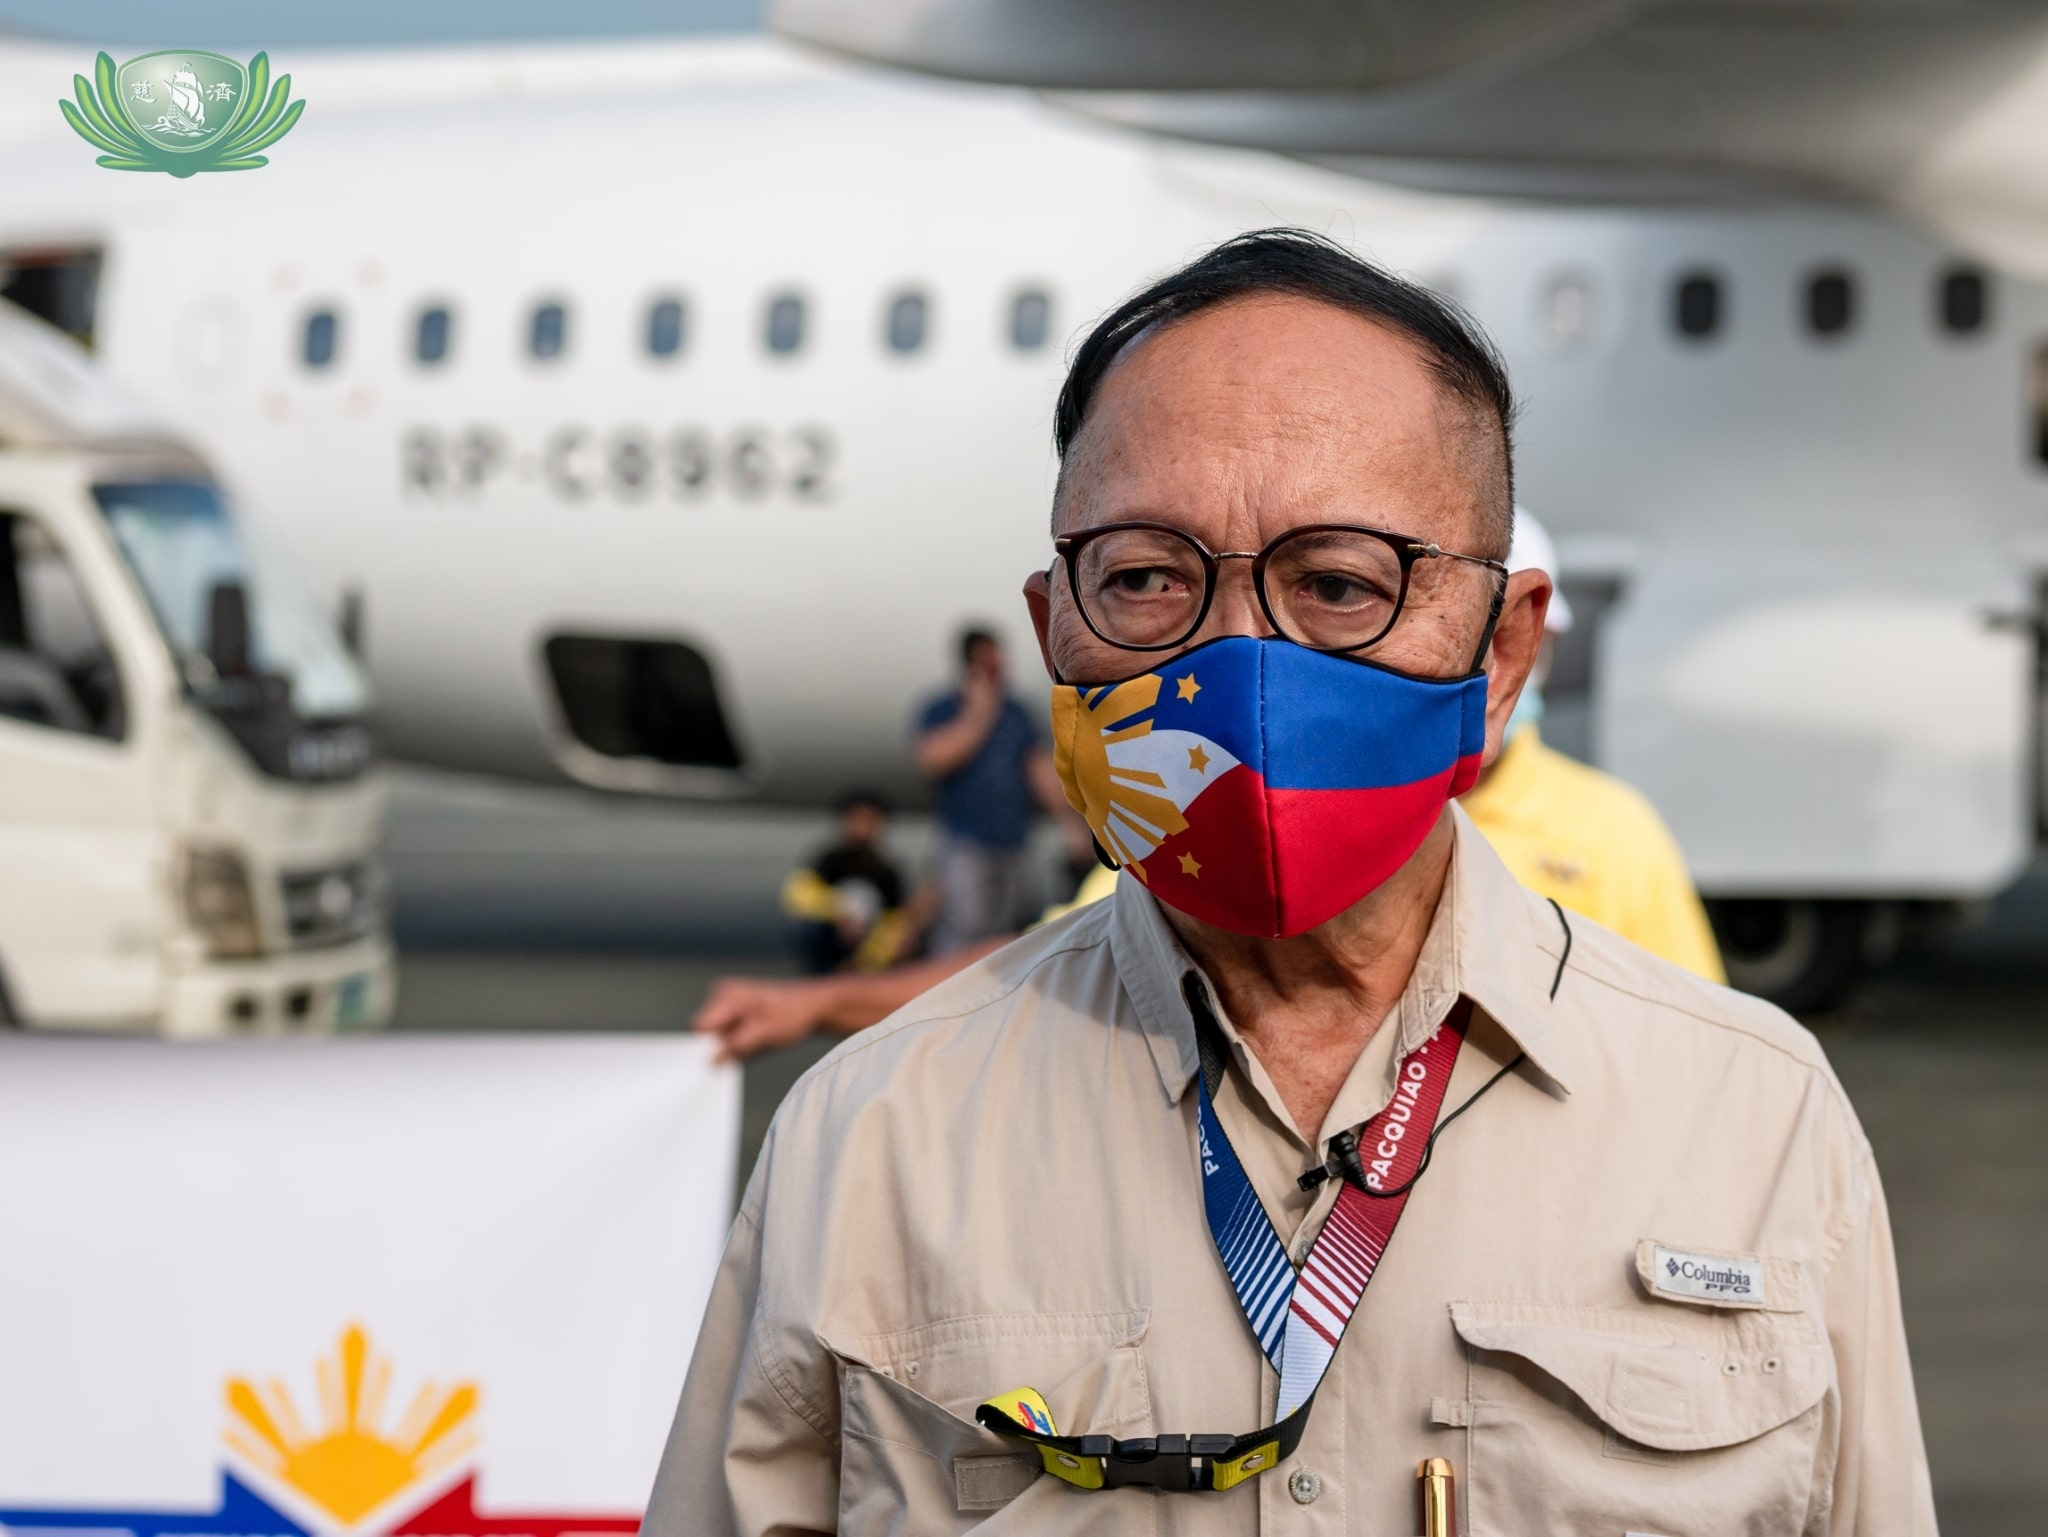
x,y
361,1470
350,1468
386,1287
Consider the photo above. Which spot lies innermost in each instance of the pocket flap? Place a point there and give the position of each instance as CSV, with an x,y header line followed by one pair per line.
x,y
957,1362
1678,1381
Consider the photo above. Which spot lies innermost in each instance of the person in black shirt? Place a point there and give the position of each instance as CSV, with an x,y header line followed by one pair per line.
x,y
847,906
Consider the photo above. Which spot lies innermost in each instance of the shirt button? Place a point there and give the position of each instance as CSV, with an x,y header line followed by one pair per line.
x,y
1304,1486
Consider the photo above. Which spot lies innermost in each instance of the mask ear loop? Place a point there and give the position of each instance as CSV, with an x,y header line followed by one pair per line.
x,y
1500,598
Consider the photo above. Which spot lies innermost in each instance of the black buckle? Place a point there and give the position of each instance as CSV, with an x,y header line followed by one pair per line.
x,y
1176,1464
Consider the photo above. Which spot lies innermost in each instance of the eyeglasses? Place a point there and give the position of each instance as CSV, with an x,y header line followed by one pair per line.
x,y
1327,586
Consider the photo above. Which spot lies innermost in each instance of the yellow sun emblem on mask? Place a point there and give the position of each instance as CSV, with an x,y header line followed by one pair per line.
x,y
351,1466
1118,804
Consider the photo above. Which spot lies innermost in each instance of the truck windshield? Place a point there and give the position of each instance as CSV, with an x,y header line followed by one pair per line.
x,y
181,542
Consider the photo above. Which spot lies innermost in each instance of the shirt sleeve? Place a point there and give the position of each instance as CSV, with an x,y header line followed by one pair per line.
x,y
745,1457
936,712
1881,1483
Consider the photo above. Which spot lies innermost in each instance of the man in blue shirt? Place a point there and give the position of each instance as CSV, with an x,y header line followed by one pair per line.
x,y
990,773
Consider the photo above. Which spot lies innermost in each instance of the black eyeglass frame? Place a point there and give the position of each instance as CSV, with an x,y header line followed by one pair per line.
x,y
1407,550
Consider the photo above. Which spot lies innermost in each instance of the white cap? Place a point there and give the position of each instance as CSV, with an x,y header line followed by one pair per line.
x,y
1532,547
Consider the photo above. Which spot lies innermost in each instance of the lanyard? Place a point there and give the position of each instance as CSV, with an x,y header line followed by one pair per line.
x,y
1297,1317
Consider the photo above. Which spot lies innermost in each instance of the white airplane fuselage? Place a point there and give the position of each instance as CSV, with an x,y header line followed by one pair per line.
x,y
816,523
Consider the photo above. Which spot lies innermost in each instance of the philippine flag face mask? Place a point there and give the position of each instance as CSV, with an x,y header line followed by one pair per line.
x,y
1261,786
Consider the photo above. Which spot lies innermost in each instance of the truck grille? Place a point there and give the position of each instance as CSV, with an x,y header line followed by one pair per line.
x,y
334,905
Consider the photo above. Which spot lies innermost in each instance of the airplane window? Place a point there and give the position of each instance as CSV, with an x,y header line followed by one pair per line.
x,y
906,322
1965,300
322,338
1830,302
1696,310
665,325
1569,312
785,323
430,343
550,331
1030,320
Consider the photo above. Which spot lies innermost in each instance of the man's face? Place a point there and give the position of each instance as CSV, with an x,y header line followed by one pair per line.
x,y
861,825
986,660
1265,414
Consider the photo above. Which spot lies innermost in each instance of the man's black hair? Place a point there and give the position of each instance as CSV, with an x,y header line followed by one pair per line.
x,y
856,799
976,635
1305,265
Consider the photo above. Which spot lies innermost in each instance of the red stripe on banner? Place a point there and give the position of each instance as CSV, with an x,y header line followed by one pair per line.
x,y
455,1514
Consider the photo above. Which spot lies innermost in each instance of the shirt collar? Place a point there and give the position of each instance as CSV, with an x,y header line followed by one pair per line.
x,y
1492,940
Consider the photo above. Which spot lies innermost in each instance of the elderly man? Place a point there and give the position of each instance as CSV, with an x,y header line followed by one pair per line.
x,y
1325,1147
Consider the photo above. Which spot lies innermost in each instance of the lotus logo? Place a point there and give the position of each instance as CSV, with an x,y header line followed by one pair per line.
x,y
181,111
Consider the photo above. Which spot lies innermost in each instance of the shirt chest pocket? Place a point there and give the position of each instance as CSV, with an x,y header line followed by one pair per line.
x,y
912,1460
1678,1421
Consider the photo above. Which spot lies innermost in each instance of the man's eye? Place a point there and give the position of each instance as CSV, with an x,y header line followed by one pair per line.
x,y
1143,582
1336,589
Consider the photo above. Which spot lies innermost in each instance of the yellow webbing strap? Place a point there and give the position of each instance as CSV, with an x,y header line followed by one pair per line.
x,y
1023,1414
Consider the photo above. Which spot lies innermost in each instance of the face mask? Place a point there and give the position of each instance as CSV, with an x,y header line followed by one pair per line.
x,y
1261,786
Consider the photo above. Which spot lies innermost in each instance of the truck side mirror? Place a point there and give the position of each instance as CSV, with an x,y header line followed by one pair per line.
x,y
227,629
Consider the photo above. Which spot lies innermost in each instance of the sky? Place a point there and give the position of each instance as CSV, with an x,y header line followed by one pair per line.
x,y
267,24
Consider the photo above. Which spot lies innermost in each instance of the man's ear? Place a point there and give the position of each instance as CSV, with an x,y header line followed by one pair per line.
x,y
1038,598
1517,640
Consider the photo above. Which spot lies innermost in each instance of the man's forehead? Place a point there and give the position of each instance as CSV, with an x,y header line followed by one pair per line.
x,y
1286,392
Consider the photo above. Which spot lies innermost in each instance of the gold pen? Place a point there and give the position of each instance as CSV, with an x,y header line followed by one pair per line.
x,y
1439,1504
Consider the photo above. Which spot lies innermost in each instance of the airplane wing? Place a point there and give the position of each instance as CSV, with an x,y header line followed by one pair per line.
x,y
1938,106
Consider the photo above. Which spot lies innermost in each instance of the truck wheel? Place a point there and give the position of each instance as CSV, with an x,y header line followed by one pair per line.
x,y
1802,954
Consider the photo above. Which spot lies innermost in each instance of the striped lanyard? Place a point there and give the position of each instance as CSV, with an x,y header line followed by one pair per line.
x,y
1299,1317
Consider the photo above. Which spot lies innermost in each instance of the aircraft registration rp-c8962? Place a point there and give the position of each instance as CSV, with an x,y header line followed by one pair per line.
x,y
666,409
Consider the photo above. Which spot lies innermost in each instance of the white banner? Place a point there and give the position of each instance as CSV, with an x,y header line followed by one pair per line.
x,y
381,1286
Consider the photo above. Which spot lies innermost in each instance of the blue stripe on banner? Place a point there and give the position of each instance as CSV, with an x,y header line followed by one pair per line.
x,y
1253,1256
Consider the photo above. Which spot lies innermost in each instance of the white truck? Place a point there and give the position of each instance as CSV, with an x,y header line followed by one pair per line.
x,y
189,812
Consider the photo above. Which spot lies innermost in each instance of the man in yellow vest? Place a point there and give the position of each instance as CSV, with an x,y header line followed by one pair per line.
x,y
1570,832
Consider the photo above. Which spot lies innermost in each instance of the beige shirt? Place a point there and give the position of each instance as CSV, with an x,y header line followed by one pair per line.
x,y
998,1188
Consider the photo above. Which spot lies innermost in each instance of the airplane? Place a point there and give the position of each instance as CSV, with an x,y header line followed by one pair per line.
x,y
657,413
